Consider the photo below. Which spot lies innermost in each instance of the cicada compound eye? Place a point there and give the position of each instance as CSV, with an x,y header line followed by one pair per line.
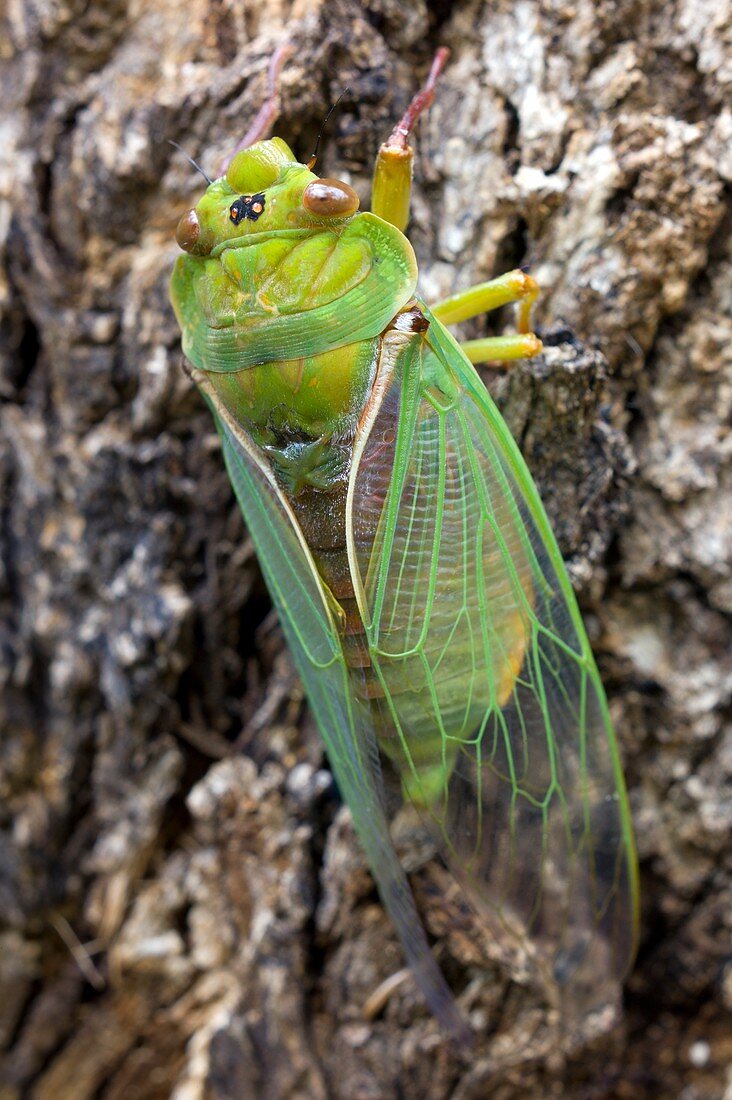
x,y
189,236
330,199
187,231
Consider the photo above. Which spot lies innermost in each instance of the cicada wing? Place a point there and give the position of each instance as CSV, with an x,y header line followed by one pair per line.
x,y
497,720
307,618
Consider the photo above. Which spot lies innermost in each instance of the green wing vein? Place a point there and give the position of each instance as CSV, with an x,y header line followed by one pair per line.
x,y
491,708
343,720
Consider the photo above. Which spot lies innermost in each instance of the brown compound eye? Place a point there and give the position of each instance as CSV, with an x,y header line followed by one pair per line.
x,y
192,236
187,230
330,199
188,235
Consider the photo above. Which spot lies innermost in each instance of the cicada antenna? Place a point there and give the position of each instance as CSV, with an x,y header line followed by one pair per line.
x,y
331,109
190,160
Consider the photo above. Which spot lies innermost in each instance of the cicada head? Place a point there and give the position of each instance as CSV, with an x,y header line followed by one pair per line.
x,y
265,190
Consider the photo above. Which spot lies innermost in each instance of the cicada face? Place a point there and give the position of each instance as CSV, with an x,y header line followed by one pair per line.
x,y
265,190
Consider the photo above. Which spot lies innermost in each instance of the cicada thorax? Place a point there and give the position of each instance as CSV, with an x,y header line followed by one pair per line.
x,y
303,412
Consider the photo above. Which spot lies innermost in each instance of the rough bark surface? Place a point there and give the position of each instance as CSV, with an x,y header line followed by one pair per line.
x,y
185,910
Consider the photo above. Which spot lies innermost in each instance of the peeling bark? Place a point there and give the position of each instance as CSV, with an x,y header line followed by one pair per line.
x,y
185,910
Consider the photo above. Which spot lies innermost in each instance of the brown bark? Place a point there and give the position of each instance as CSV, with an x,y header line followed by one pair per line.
x,y
185,910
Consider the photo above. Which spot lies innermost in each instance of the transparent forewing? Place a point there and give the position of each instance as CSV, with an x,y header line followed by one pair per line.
x,y
344,721
490,702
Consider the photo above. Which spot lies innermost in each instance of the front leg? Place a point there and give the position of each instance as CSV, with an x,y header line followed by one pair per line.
x,y
391,189
502,349
514,286
390,200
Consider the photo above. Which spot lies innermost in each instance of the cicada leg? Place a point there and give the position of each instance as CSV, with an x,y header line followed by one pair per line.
x,y
514,286
502,349
391,189
270,109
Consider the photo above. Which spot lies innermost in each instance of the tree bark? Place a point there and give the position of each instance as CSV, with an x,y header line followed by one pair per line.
x,y
185,910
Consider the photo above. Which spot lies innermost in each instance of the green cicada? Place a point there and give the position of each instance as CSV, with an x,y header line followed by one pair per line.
x,y
406,549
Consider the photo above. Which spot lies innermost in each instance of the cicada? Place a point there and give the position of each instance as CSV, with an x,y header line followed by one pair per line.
x,y
417,580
